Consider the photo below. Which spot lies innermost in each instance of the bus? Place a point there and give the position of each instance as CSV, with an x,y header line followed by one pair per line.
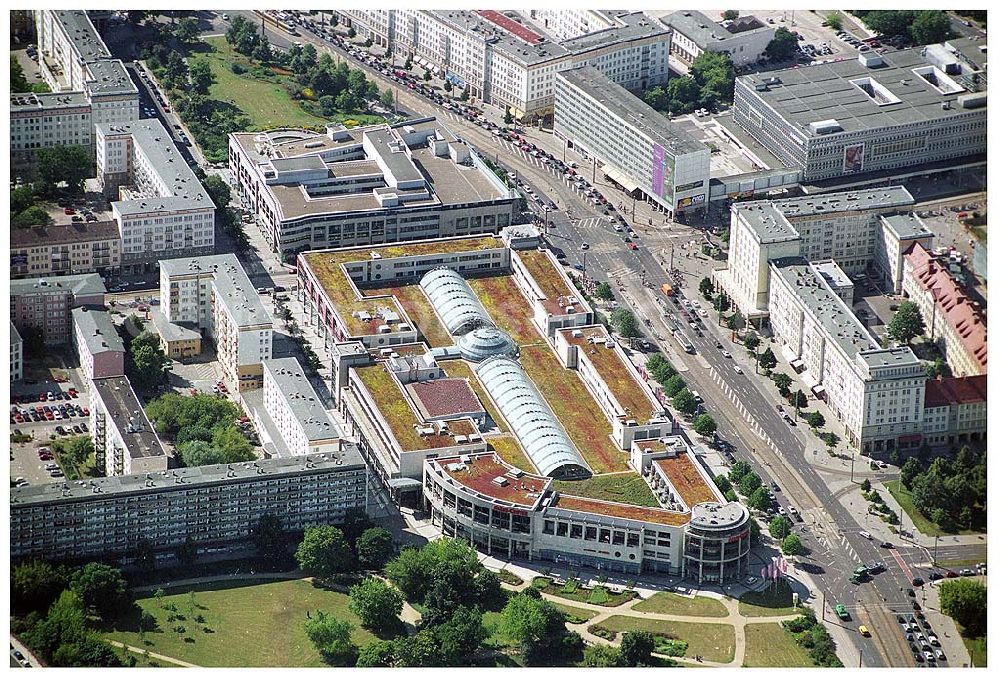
x,y
667,289
683,341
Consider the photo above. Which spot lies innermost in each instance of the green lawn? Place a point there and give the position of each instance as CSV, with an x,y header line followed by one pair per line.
x,y
977,650
256,625
769,645
598,595
266,103
576,615
768,603
714,642
920,522
669,603
629,488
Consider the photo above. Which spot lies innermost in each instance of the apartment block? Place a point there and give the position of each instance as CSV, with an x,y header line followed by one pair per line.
x,y
16,354
294,409
161,208
955,411
213,293
880,111
124,439
72,249
744,38
213,505
44,303
953,318
98,345
368,185
640,149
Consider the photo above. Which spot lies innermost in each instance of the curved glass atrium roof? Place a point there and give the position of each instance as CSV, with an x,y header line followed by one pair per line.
x,y
454,301
530,418
486,342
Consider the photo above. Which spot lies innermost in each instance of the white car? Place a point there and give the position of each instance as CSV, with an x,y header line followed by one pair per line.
x,y
940,655
736,367
725,353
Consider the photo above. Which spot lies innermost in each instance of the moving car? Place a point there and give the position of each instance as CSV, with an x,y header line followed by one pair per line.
x,y
842,612
863,630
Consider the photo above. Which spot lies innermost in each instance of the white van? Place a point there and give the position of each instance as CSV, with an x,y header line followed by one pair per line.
x,y
865,534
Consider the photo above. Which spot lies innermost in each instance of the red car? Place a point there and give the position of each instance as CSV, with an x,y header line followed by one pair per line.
x,y
49,416
632,246
86,411
42,397
69,211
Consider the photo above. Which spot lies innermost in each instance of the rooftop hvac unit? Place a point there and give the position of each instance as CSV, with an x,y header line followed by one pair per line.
x,y
499,481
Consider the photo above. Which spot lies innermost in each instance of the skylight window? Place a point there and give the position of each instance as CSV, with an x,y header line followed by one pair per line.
x,y
875,91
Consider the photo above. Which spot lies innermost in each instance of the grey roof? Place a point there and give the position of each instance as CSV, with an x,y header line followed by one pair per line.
x,y
766,221
832,274
313,162
532,421
68,233
15,337
302,398
171,331
397,161
98,330
906,226
891,356
854,200
631,26
80,30
47,100
454,301
348,459
232,285
703,30
127,415
630,108
824,92
839,323
89,284
185,190
110,77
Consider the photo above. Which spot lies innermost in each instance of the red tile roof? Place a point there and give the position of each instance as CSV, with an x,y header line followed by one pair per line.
x,y
448,396
511,26
954,391
957,307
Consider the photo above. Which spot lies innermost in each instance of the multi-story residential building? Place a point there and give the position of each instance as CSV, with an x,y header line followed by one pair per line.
x,y
176,340
847,227
89,88
878,112
44,304
97,343
213,505
16,354
955,411
124,439
641,150
368,185
70,249
509,60
568,23
744,38
214,294
953,319
876,393
296,421
161,208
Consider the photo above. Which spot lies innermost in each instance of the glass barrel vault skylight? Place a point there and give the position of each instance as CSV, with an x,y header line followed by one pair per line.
x,y
454,301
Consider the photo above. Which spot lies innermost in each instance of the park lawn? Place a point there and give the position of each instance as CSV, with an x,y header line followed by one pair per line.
x,y
714,642
770,645
905,499
576,615
627,487
251,625
977,650
599,595
768,603
669,603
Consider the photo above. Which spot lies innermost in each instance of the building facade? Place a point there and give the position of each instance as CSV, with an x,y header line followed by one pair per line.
x,y
44,304
71,249
124,439
295,409
16,355
214,294
98,345
161,208
955,411
212,504
640,149
744,38
879,112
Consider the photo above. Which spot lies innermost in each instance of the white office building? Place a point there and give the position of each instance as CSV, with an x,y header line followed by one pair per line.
x,y
744,38
161,207
641,150
215,294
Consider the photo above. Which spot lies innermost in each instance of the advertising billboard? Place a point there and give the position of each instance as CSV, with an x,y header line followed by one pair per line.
x,y
854,158
18,259
663,172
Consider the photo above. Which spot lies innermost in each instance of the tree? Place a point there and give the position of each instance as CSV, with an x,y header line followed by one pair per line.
x,y
309,55
749,483
792,545
730,14
685,402
21,198
421,650
33,215
656,98
705,425
201,78
198,453
413,571
834,20
706,287
18,82
799,399
450,587
507,117
637,648
34,585
767,360
730,495
459,637
531,624
186,30
324,551
143,555
65,623
783,382
388,99
624,323
332,638
604,291
408,64
930,26
715,74
427,76
759,499
376,604
673,385
751,341
906,324
193,433
739,469
351,33
376,654
69,164
866,485
269,537
262,51
187,552
448,86
722,482
683,94
602,656
374,548
779,527
660,368
465,94
754,531
782,46
815,420
722,303
147,364
101,588
489,594
965,602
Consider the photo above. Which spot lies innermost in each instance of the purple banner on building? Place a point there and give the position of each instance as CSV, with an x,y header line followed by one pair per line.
x,y
659,164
